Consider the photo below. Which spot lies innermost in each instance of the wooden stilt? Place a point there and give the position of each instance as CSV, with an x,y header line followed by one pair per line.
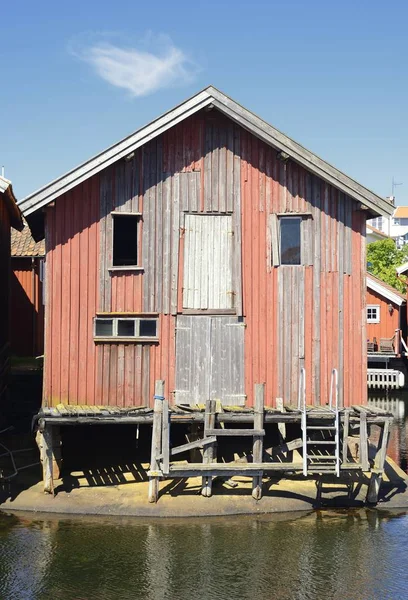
x,y
209,455
380,458
365,465
155,473
346,434
44,439
258,439
166,438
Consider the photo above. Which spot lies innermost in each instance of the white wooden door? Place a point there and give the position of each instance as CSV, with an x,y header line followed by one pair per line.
x,y
207,273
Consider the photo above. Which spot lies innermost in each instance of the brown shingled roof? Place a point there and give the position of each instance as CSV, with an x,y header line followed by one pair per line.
x,y
23,244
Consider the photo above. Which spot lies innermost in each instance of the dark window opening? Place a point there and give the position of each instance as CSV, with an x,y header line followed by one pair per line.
x,y
290,241
125,240
104,327
147,328
126,328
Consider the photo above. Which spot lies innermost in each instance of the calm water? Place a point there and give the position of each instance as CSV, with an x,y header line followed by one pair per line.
x,y
329,555
326,555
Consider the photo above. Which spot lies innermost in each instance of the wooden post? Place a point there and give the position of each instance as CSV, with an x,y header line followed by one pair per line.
x,y
166,438
44,439
257,452
380,458
209,451
345,434
154,473
365,465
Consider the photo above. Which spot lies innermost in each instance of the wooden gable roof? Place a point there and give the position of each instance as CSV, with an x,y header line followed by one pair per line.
x,y
210,96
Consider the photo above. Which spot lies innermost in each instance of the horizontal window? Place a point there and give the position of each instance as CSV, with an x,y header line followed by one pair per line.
x,y
126,329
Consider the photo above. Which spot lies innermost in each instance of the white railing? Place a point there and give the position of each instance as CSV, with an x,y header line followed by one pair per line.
x,y
385,379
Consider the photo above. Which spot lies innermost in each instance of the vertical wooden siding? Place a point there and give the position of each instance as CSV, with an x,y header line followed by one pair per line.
x,y
27,309
311,315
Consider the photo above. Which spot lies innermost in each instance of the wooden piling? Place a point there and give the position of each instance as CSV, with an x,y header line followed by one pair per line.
x,y
365,465
346,428
155,473
166,438
379,464
258,439
209,454
44,439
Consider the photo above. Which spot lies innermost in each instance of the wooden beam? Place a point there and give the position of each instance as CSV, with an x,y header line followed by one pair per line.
x,y
236,432
190,446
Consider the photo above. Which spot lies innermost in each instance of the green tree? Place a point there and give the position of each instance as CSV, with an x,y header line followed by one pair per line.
x,y
383,258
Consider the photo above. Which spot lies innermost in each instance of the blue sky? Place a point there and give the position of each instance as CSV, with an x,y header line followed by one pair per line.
x,y
79,76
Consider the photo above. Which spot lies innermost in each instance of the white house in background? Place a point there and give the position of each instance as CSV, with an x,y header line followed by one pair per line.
x,y
395,227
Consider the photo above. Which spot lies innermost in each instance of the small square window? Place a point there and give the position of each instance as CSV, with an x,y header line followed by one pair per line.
x,y
373,314
126,328
290,253
125,242
148,328
104,327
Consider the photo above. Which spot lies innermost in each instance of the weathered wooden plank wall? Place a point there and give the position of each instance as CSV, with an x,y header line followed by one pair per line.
x,y
26,307
311,315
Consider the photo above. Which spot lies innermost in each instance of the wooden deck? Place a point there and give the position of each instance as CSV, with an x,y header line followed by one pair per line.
x,y
65,414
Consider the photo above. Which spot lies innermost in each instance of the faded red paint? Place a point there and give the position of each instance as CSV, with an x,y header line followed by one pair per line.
x,y
26,307
80,372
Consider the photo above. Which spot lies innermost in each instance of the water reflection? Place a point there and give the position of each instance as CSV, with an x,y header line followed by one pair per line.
x,y
332,554
396,401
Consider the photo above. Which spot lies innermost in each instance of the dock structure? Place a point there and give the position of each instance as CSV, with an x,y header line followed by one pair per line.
x,y
329,441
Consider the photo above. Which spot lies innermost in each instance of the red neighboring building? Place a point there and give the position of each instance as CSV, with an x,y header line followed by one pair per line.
x,y
10,216
27,307
386,314
209,250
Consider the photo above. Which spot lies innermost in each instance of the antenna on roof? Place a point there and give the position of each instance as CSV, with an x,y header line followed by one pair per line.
x,y
2,170
394,185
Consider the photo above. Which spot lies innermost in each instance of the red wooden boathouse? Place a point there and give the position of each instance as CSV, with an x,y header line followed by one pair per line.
x,y
209,250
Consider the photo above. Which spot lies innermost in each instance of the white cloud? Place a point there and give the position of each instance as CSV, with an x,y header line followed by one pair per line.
x,y
138,70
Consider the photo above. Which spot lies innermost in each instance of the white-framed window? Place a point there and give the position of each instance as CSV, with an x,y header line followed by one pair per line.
x,y
128,329
373,313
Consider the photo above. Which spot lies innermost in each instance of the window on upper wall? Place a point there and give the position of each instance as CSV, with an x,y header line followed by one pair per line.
x,y
125,329
290,241
373,313
125,240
